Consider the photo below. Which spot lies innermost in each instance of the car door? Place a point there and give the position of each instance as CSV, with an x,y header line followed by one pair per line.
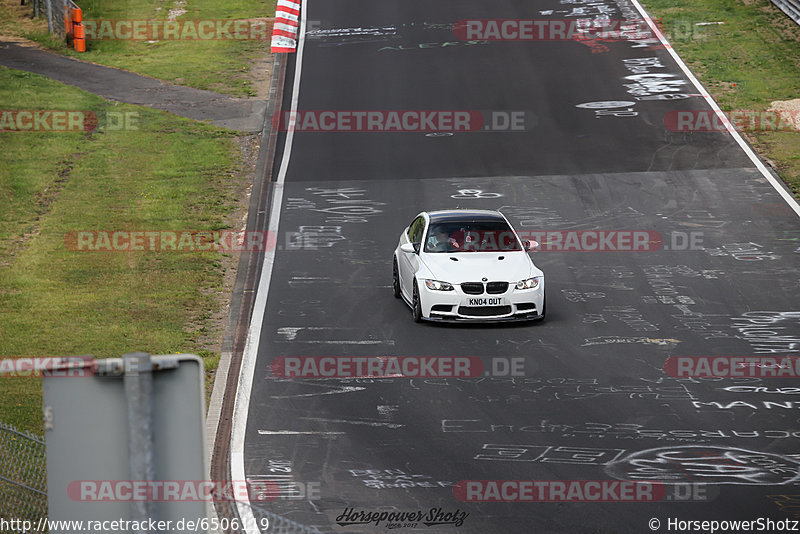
x,y
408,262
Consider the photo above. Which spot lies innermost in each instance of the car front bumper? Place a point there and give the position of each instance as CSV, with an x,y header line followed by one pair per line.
x,y
457,306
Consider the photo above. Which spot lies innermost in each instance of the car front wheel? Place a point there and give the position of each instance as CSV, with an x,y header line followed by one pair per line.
x,y
416,306
395,280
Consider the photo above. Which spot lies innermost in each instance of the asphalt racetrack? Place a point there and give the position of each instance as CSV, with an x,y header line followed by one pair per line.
x,y
593,151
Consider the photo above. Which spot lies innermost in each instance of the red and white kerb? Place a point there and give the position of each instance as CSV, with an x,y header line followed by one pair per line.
x,y
284,32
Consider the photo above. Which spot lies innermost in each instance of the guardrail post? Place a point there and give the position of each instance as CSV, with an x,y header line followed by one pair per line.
x,y
138,382
49,6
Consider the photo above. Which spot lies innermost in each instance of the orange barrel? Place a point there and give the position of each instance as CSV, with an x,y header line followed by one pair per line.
x,y
78,30
77,15
80,45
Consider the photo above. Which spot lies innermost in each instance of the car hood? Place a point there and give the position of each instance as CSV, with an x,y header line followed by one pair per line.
x,y
473,266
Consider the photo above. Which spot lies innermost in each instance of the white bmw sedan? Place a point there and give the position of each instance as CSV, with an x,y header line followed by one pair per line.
x,y
467,265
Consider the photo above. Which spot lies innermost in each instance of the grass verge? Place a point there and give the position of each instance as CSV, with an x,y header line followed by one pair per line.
x,y
168,174
222,65
746,63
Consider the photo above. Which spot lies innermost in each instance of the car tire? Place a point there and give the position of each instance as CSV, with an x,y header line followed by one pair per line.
x,y
416,305
395,280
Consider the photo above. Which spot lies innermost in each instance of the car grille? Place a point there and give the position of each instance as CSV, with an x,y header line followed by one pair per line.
x,y
484,311
472,288
495,288
477,288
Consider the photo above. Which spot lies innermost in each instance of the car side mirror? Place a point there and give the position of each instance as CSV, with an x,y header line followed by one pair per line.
x,y
408,247
531,246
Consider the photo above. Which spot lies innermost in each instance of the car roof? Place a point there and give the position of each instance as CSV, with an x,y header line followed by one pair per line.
x,y
465,215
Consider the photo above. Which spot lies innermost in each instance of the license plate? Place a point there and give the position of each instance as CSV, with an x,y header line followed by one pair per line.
x,y
487,301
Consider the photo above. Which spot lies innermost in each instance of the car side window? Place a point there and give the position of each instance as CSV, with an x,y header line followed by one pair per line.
x,y
415,230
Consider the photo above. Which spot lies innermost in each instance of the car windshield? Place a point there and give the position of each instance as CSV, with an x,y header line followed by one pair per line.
x,y
471,236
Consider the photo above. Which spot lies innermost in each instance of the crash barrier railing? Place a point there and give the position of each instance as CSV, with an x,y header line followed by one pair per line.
x,y
790,7
23,475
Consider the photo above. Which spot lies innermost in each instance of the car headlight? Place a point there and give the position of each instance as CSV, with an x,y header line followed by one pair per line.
x,y
529,283
436,285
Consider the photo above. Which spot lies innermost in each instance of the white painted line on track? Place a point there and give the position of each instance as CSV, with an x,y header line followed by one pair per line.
x,y
355,422
335,391
242,402
297,433
343,342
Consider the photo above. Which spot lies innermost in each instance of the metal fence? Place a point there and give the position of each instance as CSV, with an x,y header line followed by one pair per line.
x,y
265,521
23,488
790,7
55,11
23,482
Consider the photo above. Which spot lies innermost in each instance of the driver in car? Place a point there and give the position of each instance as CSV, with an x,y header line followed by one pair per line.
x,y
441,241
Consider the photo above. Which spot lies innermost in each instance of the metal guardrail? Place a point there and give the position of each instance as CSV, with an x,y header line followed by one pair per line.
x,y
277,524
790,7
23,482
